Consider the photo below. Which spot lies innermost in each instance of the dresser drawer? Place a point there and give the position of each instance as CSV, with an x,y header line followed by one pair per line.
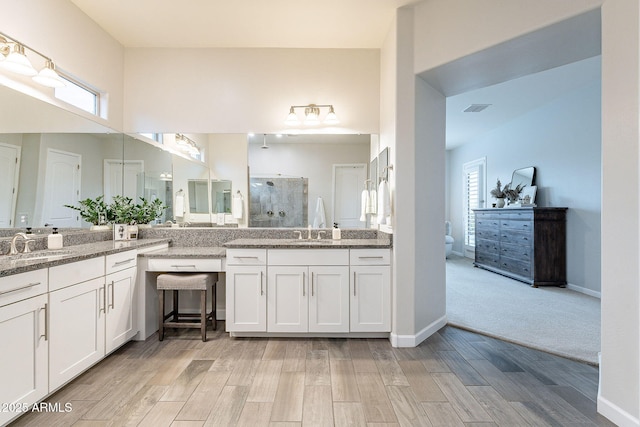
x,y
64,275
22,286
487,222
517,251
516,266
184,264
121,261
518,226
246,256
488,233
488,246
492,260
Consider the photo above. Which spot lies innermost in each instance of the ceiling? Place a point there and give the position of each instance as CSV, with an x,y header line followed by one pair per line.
x,y
245,23
359,24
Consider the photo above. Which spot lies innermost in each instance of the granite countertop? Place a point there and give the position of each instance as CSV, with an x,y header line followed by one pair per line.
x,y
187,252
67,254
306,243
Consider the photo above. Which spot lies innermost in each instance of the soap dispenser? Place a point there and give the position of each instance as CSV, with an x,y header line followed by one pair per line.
x,y
335,233
54,240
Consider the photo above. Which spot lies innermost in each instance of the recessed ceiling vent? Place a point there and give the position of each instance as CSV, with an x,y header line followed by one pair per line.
x,y
475,108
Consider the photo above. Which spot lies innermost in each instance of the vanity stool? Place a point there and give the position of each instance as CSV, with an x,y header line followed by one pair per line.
x,y
186,282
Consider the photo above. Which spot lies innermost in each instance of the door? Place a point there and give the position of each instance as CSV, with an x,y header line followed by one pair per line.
x,y
77,325
246,309
287,298
329,299
121,178
61,187
119,308
370,296
9,172
473,197
23,367
348,183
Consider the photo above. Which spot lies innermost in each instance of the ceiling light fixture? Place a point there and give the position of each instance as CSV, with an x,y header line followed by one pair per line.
x,y
311,115
13,58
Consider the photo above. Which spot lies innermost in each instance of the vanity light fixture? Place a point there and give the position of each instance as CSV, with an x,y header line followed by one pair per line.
x,y
187,145
13,58
311,115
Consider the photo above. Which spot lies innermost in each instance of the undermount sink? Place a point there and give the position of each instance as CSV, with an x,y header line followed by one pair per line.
x,y
46,254
305,242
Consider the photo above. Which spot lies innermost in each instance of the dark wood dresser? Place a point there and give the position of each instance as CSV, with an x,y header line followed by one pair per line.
x,y
526,244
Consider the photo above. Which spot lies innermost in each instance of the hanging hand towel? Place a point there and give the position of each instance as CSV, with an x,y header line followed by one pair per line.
x,y
364,204
238,206
320,221
384,203
178,206
373,202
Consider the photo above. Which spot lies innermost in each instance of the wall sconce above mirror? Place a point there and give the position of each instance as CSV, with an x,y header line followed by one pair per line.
x,y
311,115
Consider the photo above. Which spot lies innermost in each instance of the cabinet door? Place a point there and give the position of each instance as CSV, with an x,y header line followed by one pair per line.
x,y
77,320
370,297
246,309
119,308
287,295
23,359
329,299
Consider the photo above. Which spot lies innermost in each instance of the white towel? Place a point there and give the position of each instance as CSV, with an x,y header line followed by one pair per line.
x,y
373,202
238,206
384,203
178,206
320,221
364,205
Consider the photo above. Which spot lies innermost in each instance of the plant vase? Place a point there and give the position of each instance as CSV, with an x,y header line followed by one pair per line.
x,y
500,203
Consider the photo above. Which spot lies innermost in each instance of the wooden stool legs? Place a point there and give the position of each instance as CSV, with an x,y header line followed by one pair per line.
x,y
175,315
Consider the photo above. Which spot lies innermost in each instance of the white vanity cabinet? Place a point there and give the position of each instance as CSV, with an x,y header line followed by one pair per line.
x,y
246,308
120,289
76,318
370,292
308,290
23,329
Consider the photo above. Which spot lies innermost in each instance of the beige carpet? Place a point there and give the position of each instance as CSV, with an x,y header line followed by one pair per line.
x,y
552,319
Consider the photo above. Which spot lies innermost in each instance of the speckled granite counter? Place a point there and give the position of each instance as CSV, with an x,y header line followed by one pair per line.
x,y
73,253
187,252
307,244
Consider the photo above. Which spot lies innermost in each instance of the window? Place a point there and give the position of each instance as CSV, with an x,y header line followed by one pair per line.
x,y
157,137
78,95
473,197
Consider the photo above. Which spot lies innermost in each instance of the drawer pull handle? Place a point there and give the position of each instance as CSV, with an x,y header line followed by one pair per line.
x,y
113,297
46,322
354,283
126,261
261,287
371,257
183,265
311,284
303,278
245,257
30,285
104,300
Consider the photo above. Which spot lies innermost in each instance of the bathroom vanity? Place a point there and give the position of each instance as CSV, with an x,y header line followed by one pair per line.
x,y
527,244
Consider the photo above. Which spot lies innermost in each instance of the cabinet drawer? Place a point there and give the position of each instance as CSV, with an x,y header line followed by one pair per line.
x,y
370,257
22,286
121,260
64,275
515,225
184,264
246,256
308,256
487,222
516,237
492,260
488,233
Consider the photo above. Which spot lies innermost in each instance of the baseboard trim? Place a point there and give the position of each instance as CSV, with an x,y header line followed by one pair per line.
x,y
584,290
615,414
415,340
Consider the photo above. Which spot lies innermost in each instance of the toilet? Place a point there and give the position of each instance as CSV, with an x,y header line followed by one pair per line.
x,y
448,239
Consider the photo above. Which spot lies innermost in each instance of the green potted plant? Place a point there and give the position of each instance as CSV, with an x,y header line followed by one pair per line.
x,y
147,211
122,210
94,211
499,194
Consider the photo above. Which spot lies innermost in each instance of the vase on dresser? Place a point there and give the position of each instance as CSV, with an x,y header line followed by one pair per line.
x,y
500,203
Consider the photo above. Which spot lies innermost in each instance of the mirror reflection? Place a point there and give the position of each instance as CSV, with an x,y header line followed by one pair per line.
x,y
524,177
220,196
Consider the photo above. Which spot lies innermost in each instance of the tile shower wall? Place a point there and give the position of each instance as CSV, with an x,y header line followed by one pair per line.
x,y
278,202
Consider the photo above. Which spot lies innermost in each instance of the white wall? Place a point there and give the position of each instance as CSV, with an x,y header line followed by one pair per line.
x,y
248,90
59,30
563,141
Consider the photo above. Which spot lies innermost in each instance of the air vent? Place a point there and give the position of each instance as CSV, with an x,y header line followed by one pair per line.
x,y
475,108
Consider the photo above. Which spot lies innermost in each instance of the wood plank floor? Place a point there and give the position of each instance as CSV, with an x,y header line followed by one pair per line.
x,y
455,378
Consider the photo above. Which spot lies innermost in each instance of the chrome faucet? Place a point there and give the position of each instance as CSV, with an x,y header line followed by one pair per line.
x,y
309,236
320,233
299,234
26,239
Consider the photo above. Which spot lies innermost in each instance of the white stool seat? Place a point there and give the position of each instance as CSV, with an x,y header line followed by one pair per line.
x,y
185,281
